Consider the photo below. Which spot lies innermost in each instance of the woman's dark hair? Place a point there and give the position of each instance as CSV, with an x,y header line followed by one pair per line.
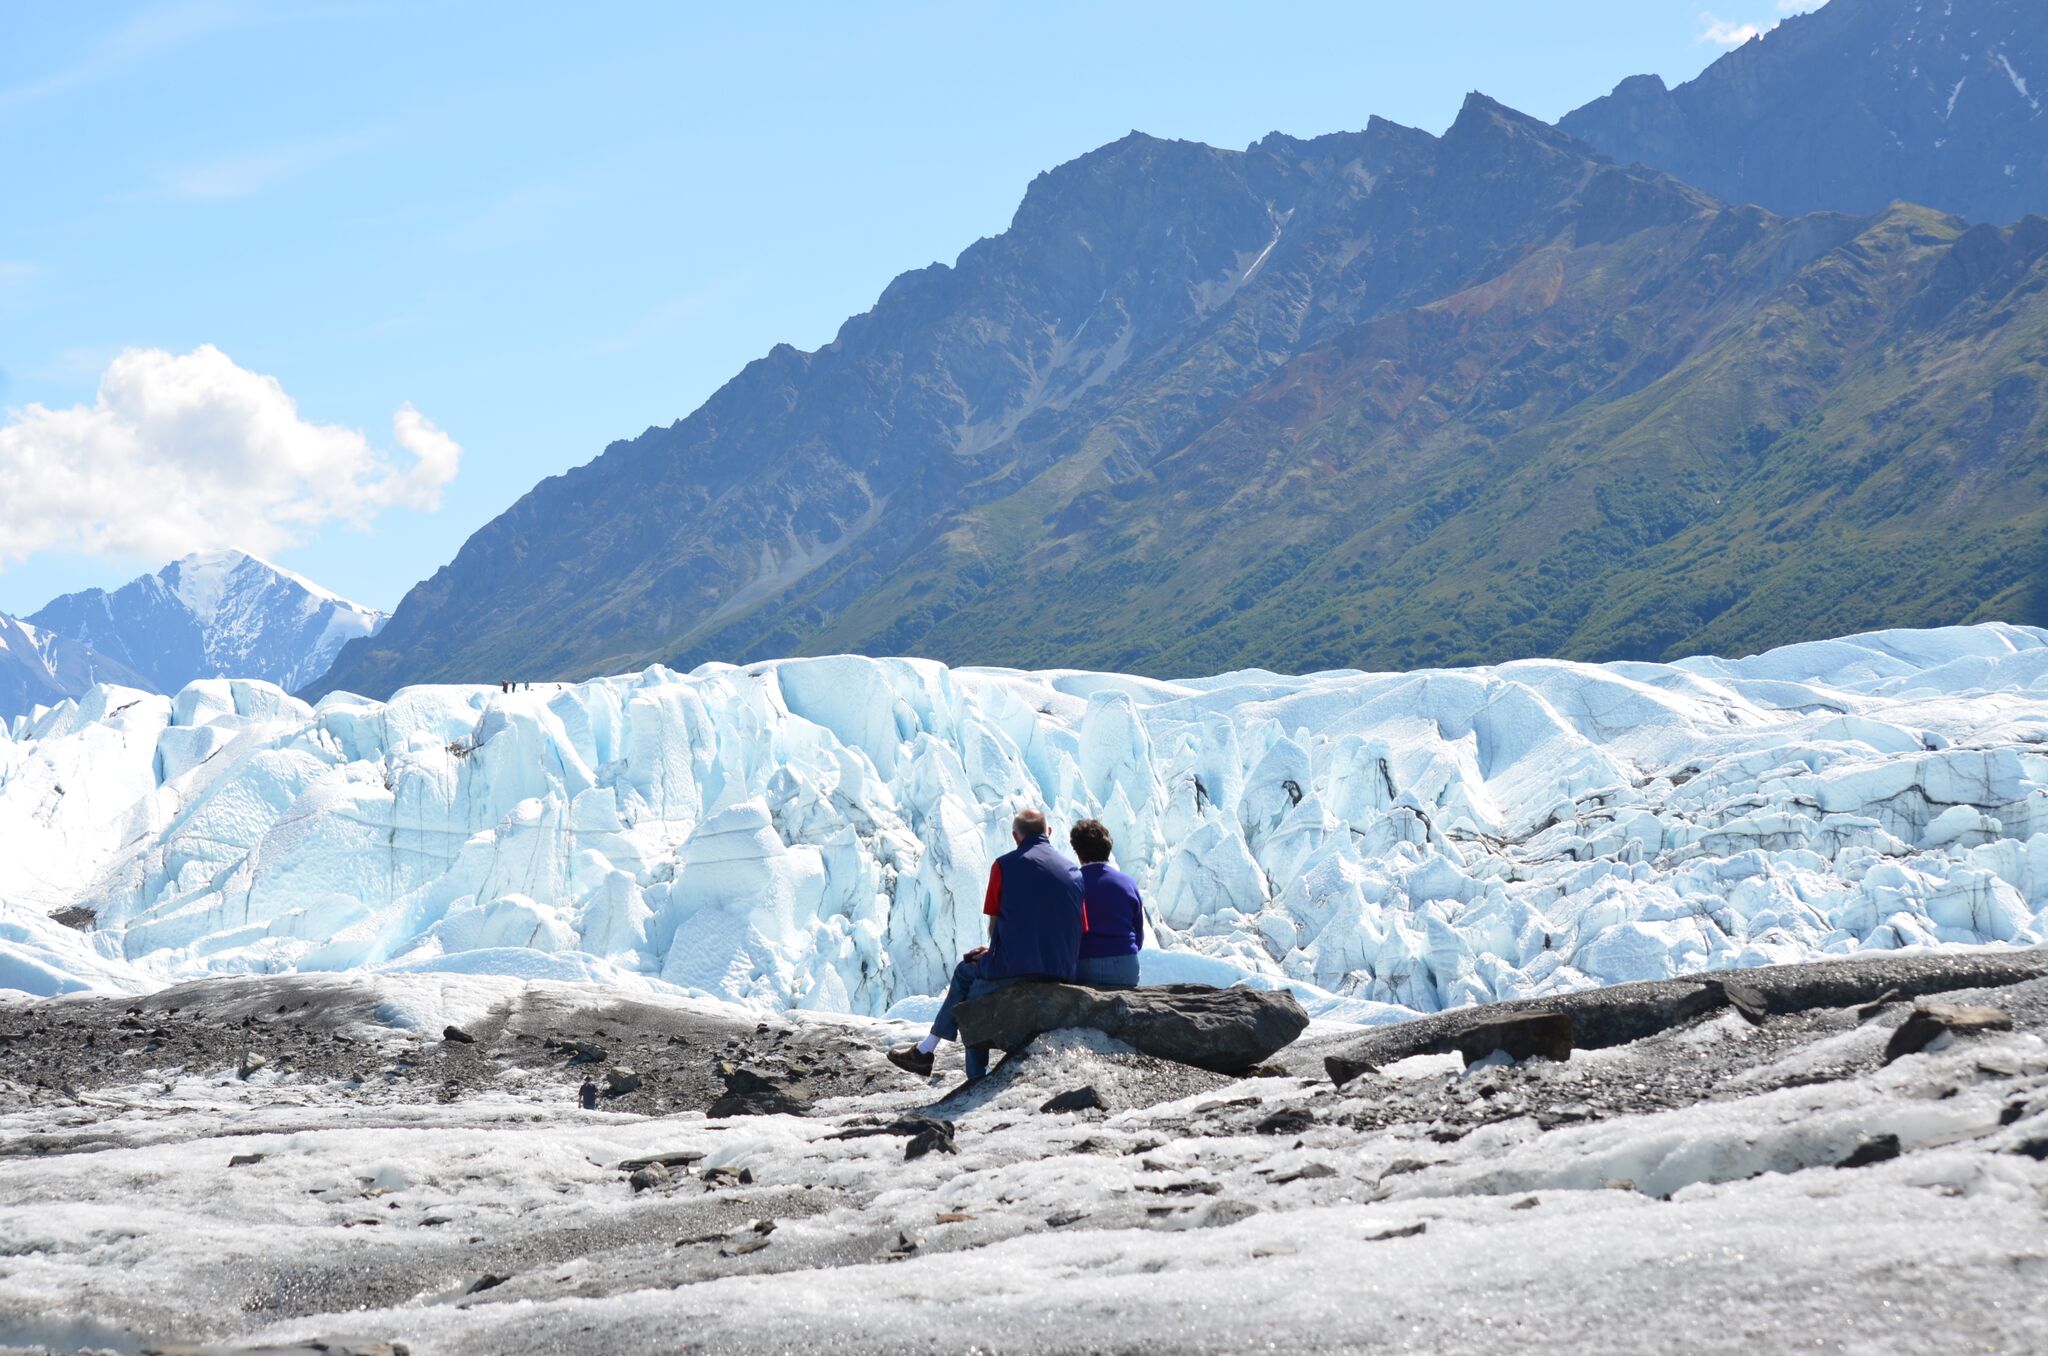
x,y
1090,841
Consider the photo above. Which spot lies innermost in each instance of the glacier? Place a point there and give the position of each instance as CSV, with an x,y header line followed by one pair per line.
x,y
815,833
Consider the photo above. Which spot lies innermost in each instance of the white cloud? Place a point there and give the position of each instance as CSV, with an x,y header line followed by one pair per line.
x,y
188,453
1724,33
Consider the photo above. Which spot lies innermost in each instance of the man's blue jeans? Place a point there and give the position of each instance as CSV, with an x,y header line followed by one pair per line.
x,y
967,983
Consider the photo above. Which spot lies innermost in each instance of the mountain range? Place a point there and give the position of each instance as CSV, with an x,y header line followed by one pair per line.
x,y
211,614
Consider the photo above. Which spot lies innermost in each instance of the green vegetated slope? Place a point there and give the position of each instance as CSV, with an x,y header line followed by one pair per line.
x,y
1376,399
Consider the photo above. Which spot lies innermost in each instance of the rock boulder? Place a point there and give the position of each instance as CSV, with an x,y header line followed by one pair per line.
x,y
1223,1030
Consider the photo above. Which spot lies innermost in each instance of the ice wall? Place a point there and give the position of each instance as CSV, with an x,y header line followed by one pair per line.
x,y
816,832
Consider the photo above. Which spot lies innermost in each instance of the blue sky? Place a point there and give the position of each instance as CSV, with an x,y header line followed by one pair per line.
x,y
525,231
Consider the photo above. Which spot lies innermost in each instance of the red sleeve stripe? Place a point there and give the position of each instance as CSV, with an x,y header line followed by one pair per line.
x,y
992,905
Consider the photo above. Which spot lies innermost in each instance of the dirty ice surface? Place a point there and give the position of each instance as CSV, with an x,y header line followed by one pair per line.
x,y
815,833
1717,1187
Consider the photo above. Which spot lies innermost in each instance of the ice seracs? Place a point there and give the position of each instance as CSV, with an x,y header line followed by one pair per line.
x,y
815,833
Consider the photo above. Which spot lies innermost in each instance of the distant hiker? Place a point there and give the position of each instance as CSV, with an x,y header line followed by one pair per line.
x,y
1034,932
587,1094
504,685
1112,913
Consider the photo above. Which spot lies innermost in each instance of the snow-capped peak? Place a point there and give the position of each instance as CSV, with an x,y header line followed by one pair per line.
x,y
214,614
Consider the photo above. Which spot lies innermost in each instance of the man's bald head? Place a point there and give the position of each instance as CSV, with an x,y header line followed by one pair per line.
x,y
1029,823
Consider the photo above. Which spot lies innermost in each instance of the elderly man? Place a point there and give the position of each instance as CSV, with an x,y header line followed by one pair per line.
x,y
1034,932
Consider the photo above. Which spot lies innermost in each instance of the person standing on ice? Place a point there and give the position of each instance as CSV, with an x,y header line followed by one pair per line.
x,y
1034,932
1112,913
587,1094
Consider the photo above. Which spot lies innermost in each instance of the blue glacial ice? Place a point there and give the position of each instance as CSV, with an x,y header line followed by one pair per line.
x,y
815,833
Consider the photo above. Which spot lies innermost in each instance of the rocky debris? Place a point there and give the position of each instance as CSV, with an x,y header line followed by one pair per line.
x,y
455,1035
1222,1030
727,1176
932,1137
1872,1149
1624,1013
1075,1099
1877,1005
1930,1021
748,1093
250,1063
1520,1036
75,917
619,1082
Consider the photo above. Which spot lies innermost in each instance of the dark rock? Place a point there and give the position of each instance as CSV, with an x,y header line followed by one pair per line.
x,y
742,1249
1930,1021
455,1035
1077,1099
587,1053
1872,1149
1525,1035
1292,1120
748,1093
1311,1172
2035,1148
1746,999
244,1160
933,1137
250,1064
1877,1005
619,1082
650,1176
680,1158
80,919
1062,1220
487,1281
1222,1030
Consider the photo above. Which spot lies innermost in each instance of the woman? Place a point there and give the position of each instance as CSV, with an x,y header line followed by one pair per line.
x,y
1112,914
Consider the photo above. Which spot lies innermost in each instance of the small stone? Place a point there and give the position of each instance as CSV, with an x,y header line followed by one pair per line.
x,y
1872,1149
1877,1005
1312,1172
953,1217
1930,1021
455,1035
653,1175
1526,1203
1077,1099
1409,1231
1292,1120
250,1064
485,1282
742,1249
243,1160
619,1082
2035,1148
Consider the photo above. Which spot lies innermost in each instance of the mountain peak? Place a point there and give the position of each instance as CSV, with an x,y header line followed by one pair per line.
x,y
212,614
1853,106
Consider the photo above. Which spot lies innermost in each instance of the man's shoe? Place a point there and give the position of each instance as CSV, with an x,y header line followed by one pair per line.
x,y
912,1060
